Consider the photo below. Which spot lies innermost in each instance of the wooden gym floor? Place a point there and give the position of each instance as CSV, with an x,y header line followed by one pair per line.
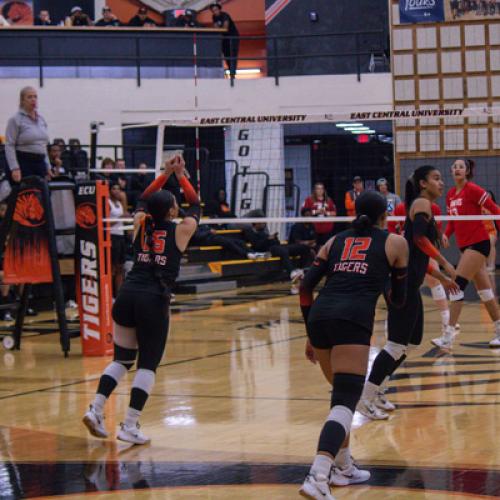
x,y
236,412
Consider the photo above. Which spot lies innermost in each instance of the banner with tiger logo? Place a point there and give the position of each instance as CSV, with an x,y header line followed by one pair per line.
x,y
27,256
93,268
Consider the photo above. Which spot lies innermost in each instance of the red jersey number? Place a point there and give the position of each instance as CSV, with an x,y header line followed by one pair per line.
x,y
355,248
158,242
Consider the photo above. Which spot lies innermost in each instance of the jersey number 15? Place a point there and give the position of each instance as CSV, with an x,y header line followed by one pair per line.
x,y
158,242
355,248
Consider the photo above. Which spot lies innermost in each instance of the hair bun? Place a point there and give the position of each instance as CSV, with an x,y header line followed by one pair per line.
x,y
362,222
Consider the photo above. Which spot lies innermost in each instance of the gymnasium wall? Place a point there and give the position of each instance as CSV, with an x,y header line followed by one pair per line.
x,y
70,105
333,17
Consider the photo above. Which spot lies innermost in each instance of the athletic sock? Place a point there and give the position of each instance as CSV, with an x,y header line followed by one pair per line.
x,y
322,465
132,417
445,317
98,403
370,391
343,459
141,389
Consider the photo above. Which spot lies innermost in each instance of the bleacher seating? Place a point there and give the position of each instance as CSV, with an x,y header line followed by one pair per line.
x,y
211,268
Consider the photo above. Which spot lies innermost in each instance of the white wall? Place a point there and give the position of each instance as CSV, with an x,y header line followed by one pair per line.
x,y
69,105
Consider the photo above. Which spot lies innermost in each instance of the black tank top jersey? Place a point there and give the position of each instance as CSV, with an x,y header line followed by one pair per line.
x,y
155,270
357,271
418,260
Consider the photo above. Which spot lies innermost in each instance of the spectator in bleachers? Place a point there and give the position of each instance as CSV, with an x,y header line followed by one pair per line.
x,y
108,18
27,138
138,183
321,205
78,158
219,207
78,18
261,241
43,19
141,19
122,177
118,210
393,200
108,164
187,20
56,163
230,39
304,232
351,195
206,236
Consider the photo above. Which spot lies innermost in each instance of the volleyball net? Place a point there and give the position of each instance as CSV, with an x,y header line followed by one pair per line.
x,y
267,164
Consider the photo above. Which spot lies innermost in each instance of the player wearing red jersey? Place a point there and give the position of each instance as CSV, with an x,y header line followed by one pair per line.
x,y
467,198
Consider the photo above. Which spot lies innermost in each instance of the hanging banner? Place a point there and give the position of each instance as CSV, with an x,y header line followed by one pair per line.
x,y
421,11
93,268
18,12
27,256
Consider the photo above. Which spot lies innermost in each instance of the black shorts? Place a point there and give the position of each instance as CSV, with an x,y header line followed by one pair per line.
x,y
118,249
325,334
148,313
406,325
483,247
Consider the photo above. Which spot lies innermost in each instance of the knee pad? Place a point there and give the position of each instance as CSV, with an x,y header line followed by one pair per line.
x,y
462,283
124,356
144,380
347,389
395,351
438,292
486,295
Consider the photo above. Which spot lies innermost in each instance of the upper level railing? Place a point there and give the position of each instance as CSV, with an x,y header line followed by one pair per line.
x,y
181,53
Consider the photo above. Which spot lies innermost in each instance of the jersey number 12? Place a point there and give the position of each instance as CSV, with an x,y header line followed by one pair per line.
x,y
355,248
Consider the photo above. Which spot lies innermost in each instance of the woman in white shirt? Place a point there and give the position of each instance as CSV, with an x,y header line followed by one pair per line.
x,y
117,210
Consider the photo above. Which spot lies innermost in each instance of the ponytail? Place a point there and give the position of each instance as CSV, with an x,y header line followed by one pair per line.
x,y
470,165
413,186
370,206
149,228
411,191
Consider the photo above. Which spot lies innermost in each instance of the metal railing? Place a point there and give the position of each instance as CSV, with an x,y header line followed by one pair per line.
x,y
365,44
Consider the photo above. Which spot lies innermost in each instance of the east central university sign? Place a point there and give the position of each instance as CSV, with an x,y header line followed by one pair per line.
x,y
421,11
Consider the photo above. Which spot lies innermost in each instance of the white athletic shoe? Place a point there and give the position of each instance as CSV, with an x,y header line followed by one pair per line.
x,y
368,409
296,274
495,342
252,256
349,475
382,403
316,488
132,435
446,340
95,423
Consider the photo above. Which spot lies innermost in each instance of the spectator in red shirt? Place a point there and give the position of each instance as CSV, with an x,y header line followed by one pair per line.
x,y
467,198
321,205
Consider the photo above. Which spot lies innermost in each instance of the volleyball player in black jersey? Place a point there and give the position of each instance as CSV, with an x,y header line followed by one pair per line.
x,y
141,309
405,325
339,323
